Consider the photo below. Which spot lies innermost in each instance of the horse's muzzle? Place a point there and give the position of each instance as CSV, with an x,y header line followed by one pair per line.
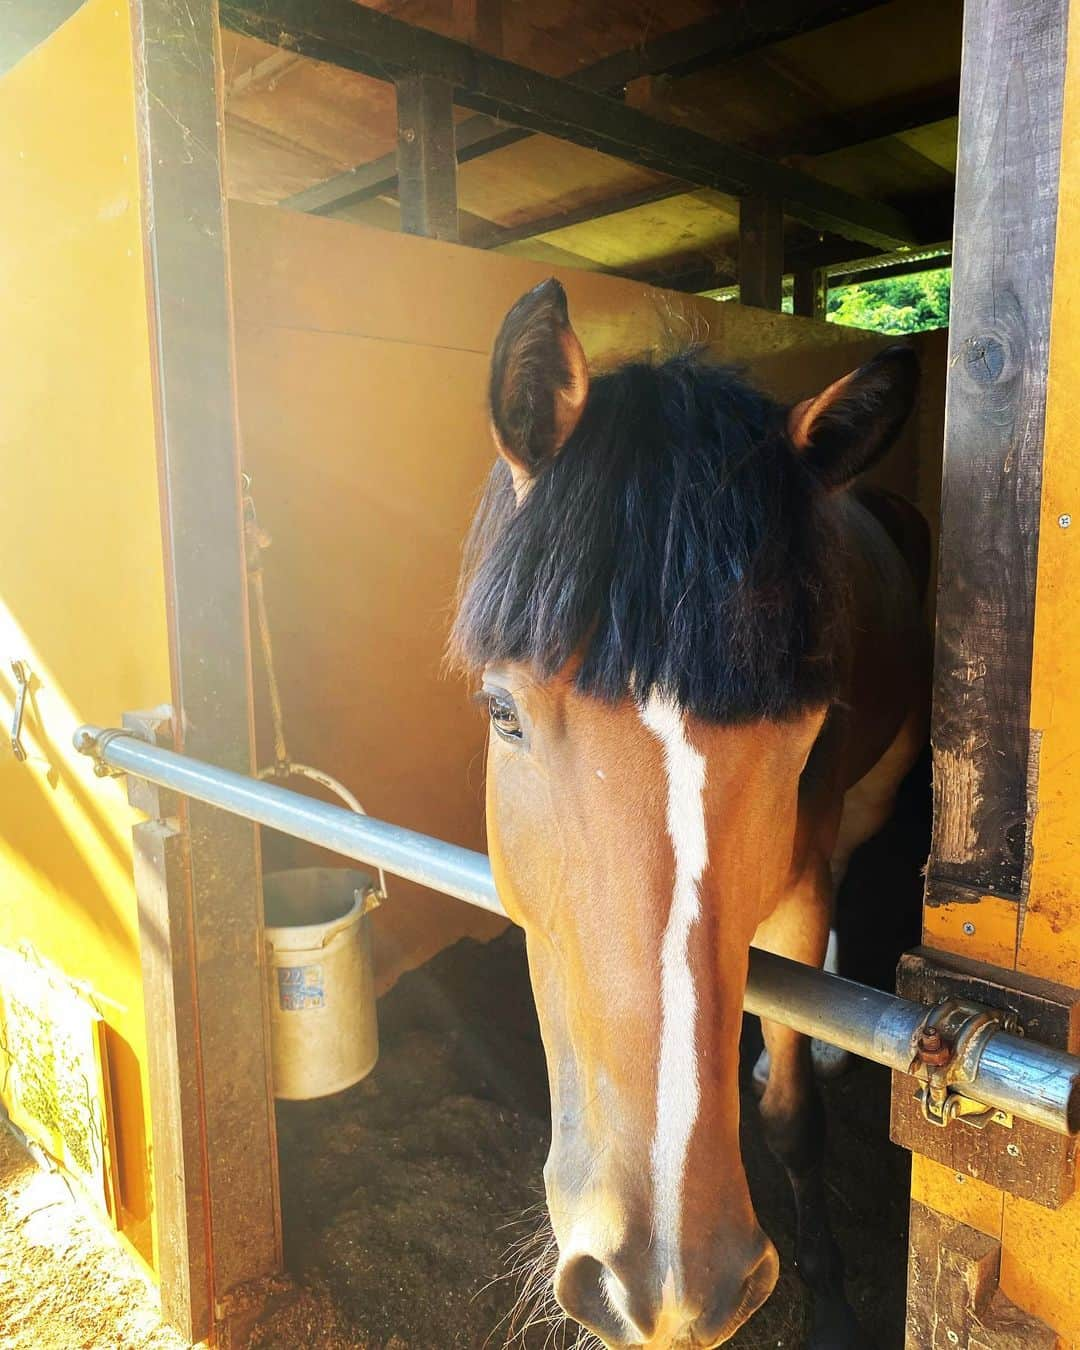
x,y
596,1296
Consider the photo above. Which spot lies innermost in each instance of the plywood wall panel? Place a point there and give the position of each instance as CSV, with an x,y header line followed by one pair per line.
x,y
82,595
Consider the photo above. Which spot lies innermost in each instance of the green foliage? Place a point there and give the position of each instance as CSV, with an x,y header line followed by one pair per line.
x,y
909,304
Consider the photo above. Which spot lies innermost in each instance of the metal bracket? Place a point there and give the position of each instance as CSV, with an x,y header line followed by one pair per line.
x,y
93,746
23,674
947,1048
1028,1161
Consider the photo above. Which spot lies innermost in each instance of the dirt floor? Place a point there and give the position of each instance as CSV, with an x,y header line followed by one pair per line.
x,y
404,1197
409,1200
64,1283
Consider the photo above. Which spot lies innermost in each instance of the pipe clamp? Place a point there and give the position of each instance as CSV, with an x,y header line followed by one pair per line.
x,y
946,1049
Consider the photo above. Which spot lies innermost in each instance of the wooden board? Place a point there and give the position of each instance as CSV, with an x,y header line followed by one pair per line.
x,y
954,1293
1002,277
185,237
82,601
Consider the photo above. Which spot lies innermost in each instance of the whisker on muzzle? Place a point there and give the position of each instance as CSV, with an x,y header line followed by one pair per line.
x,y
530,1263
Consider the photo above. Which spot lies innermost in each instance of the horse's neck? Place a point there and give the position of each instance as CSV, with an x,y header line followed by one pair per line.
x,y
888,667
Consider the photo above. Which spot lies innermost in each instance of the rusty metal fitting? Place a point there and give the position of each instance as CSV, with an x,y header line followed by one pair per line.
x,y
931,1049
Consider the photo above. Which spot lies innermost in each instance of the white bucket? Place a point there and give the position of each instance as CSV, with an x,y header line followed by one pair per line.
x,y
324,1032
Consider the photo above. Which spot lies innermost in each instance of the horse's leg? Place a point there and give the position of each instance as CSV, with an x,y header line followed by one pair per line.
x,y
794,1116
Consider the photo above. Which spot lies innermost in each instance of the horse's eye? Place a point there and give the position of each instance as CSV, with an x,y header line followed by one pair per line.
x,y
504,716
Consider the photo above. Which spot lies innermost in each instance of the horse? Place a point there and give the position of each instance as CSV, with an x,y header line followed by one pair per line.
x,y
703,662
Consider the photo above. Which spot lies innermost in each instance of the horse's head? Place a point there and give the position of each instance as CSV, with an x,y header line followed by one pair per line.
x,y
652,593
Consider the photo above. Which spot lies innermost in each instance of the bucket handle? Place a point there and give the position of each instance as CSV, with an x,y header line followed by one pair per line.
x,y
289,769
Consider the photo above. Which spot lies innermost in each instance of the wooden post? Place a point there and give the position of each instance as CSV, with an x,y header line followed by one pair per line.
x,y
985,883
427,163
183,1259
761,252
811,293
1003,260
210,898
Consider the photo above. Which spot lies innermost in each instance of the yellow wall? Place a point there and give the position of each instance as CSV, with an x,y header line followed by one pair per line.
x,y
361,362
1040,1267
81,584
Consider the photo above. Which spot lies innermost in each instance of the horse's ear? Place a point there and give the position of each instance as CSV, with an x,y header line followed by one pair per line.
x,y
539,381
852,423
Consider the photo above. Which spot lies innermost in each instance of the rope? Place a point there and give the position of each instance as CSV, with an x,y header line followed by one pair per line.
x,y
255,541
281,754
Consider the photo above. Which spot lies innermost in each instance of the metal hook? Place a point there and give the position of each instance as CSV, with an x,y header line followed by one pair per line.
x,y
22,674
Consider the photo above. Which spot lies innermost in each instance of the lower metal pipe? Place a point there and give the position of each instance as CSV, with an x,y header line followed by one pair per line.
x,y
1032,1081
1029,1080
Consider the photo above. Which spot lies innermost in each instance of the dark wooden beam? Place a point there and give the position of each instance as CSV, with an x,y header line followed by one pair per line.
x,y
860,126
761,252
1003,268
427,167
694,275
839,133
810,292
365,40
180,106
737,31
695,47
379,177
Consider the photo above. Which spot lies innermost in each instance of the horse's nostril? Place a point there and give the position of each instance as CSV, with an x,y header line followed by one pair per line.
x,y
583,1290
727,1316
762,1279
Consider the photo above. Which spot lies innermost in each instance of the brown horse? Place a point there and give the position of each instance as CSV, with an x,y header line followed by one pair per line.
x,y
703,661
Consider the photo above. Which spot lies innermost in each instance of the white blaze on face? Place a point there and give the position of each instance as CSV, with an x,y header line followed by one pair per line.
x,y
677,1091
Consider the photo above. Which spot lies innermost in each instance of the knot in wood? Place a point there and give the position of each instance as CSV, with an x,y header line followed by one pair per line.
x,y
984,357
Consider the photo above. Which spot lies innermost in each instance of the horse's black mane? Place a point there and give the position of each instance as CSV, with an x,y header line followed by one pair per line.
x,y
677,543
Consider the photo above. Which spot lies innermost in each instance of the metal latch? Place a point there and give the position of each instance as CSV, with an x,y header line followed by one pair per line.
x,y
22,673
947,1048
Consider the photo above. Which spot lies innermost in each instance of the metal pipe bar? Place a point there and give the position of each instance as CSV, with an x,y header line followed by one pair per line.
x,y
459,872
1032,1081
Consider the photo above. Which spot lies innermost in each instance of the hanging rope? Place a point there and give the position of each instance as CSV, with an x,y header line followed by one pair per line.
x,y
256,540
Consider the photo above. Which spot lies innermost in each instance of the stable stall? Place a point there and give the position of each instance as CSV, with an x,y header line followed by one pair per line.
x,y
224,309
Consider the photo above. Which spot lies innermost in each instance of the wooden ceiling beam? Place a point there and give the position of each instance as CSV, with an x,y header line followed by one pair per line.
x,y
890,118
737,31
379,177
694,47
860,126
353,37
